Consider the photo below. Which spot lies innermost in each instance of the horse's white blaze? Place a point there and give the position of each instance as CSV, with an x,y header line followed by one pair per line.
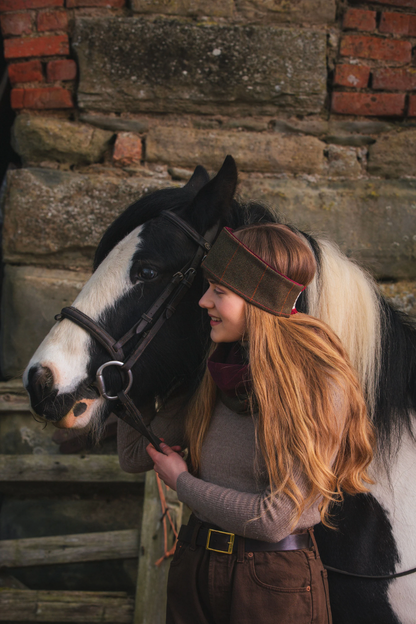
x,y
65,348
396,493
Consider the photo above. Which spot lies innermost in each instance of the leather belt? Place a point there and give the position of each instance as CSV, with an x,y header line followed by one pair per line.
x,y
213,538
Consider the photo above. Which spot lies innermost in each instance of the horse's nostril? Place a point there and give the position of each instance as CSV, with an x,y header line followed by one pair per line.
x,y
40,381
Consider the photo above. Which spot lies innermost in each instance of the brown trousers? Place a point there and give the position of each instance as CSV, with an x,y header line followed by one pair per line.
x,y
284,587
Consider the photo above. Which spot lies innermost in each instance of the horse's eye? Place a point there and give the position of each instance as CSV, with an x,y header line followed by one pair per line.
x,y
142,274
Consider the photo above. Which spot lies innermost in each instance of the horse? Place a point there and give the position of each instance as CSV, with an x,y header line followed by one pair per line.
x,y
134,264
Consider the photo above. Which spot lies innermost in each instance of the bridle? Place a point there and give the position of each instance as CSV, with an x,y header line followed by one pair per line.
x,y
146,328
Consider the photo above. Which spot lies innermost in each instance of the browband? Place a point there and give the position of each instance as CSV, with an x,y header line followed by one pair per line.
x,y
238,268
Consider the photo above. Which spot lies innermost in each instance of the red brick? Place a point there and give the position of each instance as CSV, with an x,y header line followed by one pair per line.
x,y
412,106
398,24
369,104
31,71
127,149
110,4
21,5
52,97
16,98
36,46
16,24
61,70
377,48
360,19
52,20
395,79
352,76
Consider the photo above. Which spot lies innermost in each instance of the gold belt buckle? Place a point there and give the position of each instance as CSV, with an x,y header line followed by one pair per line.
x,y
230,543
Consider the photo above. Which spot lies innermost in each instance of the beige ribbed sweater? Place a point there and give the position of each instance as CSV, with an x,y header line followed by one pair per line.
x,y
232,491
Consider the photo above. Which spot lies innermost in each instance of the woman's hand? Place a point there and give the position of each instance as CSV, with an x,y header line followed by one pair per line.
x,y
169,464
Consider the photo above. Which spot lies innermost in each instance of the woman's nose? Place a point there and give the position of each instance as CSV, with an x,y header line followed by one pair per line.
x,y
205,302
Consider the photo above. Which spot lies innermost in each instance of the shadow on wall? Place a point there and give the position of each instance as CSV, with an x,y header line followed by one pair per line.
x,y
8,157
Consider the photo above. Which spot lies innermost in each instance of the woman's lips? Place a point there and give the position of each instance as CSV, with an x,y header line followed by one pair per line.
x,y
214,320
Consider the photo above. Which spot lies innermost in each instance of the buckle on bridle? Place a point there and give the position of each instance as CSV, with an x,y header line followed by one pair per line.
x,y
230,544
100,379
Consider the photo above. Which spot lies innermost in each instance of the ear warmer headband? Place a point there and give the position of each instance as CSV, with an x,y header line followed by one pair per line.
x,y
234,265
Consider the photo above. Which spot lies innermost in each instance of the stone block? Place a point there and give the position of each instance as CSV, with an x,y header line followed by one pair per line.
x,y
31,298
393,155
295,12
343,161
373,221
214,8
177,66
37,139
265,152
401,294
55,218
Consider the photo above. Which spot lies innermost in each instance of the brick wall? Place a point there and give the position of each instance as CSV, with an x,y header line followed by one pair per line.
x,y
37,46
375,74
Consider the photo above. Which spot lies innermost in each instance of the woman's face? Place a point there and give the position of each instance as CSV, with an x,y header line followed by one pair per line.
x,y
226,311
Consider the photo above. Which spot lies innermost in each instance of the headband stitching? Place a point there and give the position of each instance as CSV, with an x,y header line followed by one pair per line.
x,y
258,284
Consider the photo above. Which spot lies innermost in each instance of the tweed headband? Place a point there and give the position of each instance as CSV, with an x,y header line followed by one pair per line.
x,y
235,266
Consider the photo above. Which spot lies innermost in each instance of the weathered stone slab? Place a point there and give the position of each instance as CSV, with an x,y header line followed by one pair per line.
x,y
213,8
265,152
31,298
116,123
175,66
394,155
57,219
295,11
37,139
373,221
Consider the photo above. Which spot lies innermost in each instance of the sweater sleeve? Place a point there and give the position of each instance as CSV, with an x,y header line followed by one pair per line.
x,y
168,423
253,515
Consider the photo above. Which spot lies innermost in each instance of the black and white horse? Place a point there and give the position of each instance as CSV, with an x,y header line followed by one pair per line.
x,y
134,262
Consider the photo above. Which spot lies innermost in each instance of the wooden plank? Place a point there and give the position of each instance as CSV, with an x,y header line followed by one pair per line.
x,y
13,397
150,607
69,548
65,468
65,606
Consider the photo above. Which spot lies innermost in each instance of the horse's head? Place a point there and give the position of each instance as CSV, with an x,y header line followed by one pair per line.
x,y
134,263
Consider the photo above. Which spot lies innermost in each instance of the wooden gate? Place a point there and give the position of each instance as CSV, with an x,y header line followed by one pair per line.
x,y
25,605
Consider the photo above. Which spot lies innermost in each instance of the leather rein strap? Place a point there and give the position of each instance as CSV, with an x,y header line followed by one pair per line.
x,y
146,327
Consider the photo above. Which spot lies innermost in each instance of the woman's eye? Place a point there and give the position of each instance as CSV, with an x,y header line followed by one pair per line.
x,y
142,274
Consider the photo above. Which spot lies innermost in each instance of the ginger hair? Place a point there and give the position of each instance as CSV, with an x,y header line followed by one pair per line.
x,y
301,379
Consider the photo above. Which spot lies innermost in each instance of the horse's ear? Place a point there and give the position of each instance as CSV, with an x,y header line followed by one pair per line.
x,y
199,178
214,200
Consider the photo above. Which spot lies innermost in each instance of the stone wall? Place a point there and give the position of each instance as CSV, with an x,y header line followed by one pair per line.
x,y
316,100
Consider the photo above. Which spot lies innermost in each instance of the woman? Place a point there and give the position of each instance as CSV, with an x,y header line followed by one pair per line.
x,y
276,429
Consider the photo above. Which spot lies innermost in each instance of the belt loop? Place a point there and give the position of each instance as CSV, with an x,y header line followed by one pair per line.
x,y
195,532
313,540
240,549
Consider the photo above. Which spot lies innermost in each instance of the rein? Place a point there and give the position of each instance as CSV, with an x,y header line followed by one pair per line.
x,y
145,328
368,576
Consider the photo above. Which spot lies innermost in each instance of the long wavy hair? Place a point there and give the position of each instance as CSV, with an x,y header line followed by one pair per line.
x,y
311,412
